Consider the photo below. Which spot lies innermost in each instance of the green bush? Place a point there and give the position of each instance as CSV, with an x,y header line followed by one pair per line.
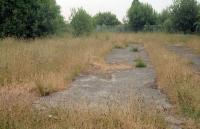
x,y
197,24
81,22
140,63
165,20
117,46
134,49
29,18
168,25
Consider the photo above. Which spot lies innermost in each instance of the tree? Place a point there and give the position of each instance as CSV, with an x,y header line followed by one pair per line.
x,y
81,22
165,20
184,15
164,15
106,18
197,23
140,15
168,25
135,2
29,18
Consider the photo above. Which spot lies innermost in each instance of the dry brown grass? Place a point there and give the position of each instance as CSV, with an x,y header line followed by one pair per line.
x,y
19,114
48,65
174,76
178,80
194,43
51,64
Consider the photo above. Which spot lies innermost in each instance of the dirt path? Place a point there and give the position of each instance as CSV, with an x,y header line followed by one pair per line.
x,y
97,90
187,53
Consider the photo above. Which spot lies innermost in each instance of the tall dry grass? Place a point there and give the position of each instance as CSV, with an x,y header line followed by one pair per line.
x,y
175,76
20,115
48,65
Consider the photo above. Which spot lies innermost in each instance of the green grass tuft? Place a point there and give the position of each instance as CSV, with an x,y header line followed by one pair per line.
x,y
140,63
119,46
134,49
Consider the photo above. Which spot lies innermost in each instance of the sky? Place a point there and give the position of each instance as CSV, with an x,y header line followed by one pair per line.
x,y
118,7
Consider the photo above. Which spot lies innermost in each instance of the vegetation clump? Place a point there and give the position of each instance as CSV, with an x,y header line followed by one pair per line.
x,y
30,18
182,16
134,49
140,15
82,23
140,63
117,46
185,15
106,18
43,88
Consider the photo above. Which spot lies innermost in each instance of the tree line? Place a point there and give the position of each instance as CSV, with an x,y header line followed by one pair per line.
x,y
38,18
182,16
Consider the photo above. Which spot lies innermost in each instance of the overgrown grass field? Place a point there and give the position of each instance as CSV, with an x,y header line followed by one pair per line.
x,y
29,69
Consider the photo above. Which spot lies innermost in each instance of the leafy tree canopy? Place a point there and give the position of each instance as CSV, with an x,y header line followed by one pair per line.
x,y
184,15
140,15
106,18
29,18
81,22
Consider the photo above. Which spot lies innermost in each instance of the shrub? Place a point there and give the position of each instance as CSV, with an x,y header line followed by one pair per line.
x,y
168,25
43,88
197,24
81,22
134,49
117,46
29,18
140,63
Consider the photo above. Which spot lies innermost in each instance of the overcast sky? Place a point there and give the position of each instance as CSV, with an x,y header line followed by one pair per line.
x,y
118,7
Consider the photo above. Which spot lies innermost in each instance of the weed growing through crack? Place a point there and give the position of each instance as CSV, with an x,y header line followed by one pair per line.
x,y
190,62
140,63
134,49
119,46
127,45
44,89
